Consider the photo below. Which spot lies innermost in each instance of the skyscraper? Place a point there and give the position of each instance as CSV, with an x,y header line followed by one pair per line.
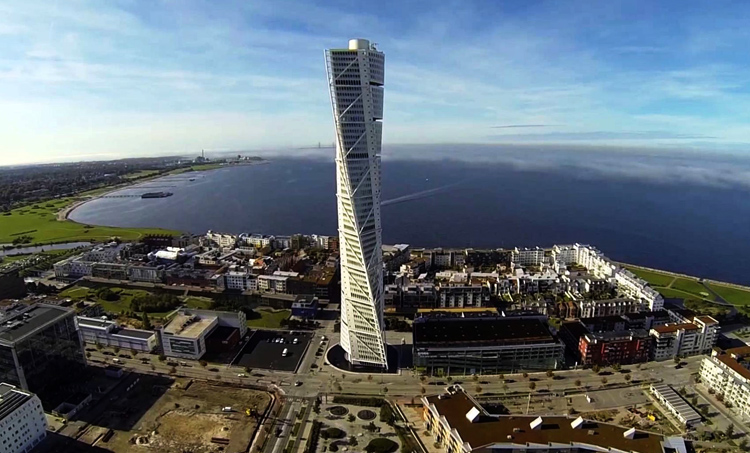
x,y
355,79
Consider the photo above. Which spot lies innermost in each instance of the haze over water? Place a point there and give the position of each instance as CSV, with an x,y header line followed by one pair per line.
x,y
684,212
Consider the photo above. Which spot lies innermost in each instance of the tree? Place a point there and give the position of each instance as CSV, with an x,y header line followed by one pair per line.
x,y
369,377
550,374
385,390
501,376
134,352
474,377
146,321
450,379
596,369
604,380
505,388
422,378
532,386
478,389
203,363
628,378
116,349
153,367
353,441
88,355
173,370
162,357
525,375
683,391
743,445
99,346
704,411
729,432
577,382
248,370
616,367
351,418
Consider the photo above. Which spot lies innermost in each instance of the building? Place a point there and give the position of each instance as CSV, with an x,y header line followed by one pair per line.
x,y
676,404
356,78
223,240
459,296
528,257
273,283
460,424
187,334
146,273
73,267
305,307
22,421
727,373
37,342
460,344
608,348
609,307
394,256
240,281
11,285
684,339
111,271
109,333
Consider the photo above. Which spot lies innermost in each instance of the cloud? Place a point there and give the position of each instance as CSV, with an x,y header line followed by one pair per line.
x,y
513,126
603,135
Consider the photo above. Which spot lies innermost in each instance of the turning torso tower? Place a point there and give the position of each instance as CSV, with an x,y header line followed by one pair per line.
x,y
355,79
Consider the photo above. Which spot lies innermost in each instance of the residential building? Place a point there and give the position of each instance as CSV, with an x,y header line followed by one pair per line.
x,y
609,348
240,281
112,271
109,333
684,339
460,344
73,267
355,78
305,307
460,424
458,296
108,253
727,373
528,257
37,342
225,241
609,307
273,283
146,273
394,256
23,424
633,286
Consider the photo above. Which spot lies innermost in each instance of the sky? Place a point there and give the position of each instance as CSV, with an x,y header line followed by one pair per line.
x,y
83,80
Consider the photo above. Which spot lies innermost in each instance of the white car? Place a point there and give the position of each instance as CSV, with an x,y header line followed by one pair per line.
x,y
242,375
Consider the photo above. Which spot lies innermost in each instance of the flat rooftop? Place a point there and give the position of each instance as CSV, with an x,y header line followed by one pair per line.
x,y
135,333
677,402
514,429
671,328
11,399
189,326
29,321
477,331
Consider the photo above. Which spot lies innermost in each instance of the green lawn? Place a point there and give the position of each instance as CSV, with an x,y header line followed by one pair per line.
x,y
198,302
269,319
39,221
10,259
140,174
672,293
654,278
693,287
732,295
126,296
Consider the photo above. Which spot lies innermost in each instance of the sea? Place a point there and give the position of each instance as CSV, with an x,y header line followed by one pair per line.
x,y
682,211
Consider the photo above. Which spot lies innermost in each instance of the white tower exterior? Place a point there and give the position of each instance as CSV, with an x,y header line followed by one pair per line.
x,y
355,79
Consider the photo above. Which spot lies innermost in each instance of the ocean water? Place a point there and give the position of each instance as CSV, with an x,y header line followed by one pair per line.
x,y
682,212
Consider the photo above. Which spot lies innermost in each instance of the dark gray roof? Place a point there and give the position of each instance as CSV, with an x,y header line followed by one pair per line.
x,y
18,326
135,333
11,399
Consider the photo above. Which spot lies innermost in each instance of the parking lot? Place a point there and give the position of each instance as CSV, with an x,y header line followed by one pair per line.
x,y
264,350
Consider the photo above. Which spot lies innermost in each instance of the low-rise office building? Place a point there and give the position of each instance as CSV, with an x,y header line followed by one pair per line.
x,y
457,344
727,373
676,404
109,333
460,424
22,421
187,334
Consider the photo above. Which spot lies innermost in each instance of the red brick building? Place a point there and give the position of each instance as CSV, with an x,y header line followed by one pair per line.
x,y
607,348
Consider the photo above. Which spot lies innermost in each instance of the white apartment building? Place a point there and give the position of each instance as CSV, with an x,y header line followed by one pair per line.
x,y
73,267
319,241
355,79
152,274
241,281
633,286
272,283
23,424
260,240
583,255
225,241
463,296
685,339
104,253
109,333
609,307
528,256
727,374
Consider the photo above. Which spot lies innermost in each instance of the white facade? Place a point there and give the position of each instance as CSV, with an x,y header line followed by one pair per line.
x,y
23,424
633,286
108,333
528,257
609,307
221,239
728,377
272,283
356,78
242,281
686,339
104,253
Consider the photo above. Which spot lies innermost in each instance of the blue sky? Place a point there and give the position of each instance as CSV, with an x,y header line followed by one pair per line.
x,y
105,79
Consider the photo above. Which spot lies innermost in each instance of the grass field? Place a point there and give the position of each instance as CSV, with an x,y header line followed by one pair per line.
x,y
693,287
269,319
140,174
675,294
126,296
39,221
198,302
732,295
654,278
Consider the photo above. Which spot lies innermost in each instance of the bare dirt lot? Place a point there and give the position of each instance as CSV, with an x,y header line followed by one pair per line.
x,y
188,416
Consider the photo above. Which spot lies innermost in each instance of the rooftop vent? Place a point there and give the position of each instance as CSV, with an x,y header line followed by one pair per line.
x,y
509,437
537,423
577,423
473,415
591,432
629,434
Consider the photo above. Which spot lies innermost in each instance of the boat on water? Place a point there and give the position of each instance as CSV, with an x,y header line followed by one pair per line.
x,y
157,195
